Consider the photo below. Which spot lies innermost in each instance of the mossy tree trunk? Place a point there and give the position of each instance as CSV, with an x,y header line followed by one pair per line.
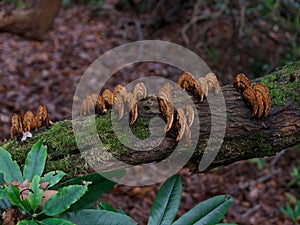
x,y
246,137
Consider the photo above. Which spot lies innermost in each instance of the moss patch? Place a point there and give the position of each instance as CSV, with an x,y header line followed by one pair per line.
x,y
282,91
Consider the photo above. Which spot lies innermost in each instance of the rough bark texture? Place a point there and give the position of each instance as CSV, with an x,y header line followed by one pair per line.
x,y
245,137
31,23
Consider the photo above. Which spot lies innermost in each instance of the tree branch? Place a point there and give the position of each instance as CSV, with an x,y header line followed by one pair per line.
x,y
245,137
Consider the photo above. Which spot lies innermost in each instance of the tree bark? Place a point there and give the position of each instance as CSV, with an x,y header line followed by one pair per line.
x,y
31,23
245,137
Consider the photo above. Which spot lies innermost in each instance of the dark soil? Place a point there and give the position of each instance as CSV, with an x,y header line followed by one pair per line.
x,y
34,73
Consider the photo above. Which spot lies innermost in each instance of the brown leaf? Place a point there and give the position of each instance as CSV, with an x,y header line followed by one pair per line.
x,y
46,195
10,216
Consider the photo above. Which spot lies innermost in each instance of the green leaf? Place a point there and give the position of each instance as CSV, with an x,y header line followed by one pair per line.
x,y
167,202
105,206
226,224
97,217
19,4
27,222
297,209
1,179
56,221
64,198
9,168
290,211
99,186
3,193
14,198
208,212
5,203
35,161
53,177
36,194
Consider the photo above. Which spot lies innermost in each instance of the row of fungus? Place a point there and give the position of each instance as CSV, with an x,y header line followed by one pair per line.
x,y
27,122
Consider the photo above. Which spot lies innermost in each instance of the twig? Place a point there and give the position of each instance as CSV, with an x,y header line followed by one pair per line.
x,y
139,31
196,18
243,7
250,211
193,20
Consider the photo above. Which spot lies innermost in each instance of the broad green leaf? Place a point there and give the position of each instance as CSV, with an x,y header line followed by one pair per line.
x,y
5,203
208,212
27,222
35,161
297,209
1,179
10,169
167,202
3,193
289,211
14,198
105,206
99,186
226,224
36,194
53,177
56,221
98,217
64,198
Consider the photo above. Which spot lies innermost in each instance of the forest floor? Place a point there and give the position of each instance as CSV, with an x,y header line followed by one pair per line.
x,y
33,73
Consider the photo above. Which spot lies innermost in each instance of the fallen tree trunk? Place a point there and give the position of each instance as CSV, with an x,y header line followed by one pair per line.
x,y
33,22
245,137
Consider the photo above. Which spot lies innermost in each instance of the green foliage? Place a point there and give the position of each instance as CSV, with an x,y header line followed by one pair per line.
x,y
13,194
37,154
98,217
66,206
166,203
9,168
98,187
36,194
261,163
27,222
30,200
292,213
53,177
208,212
295,177
55,221
64,198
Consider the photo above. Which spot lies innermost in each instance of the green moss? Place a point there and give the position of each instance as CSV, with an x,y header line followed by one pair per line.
x,y
282,91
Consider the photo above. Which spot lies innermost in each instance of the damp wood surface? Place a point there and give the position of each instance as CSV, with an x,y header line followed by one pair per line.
x,y
245,136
